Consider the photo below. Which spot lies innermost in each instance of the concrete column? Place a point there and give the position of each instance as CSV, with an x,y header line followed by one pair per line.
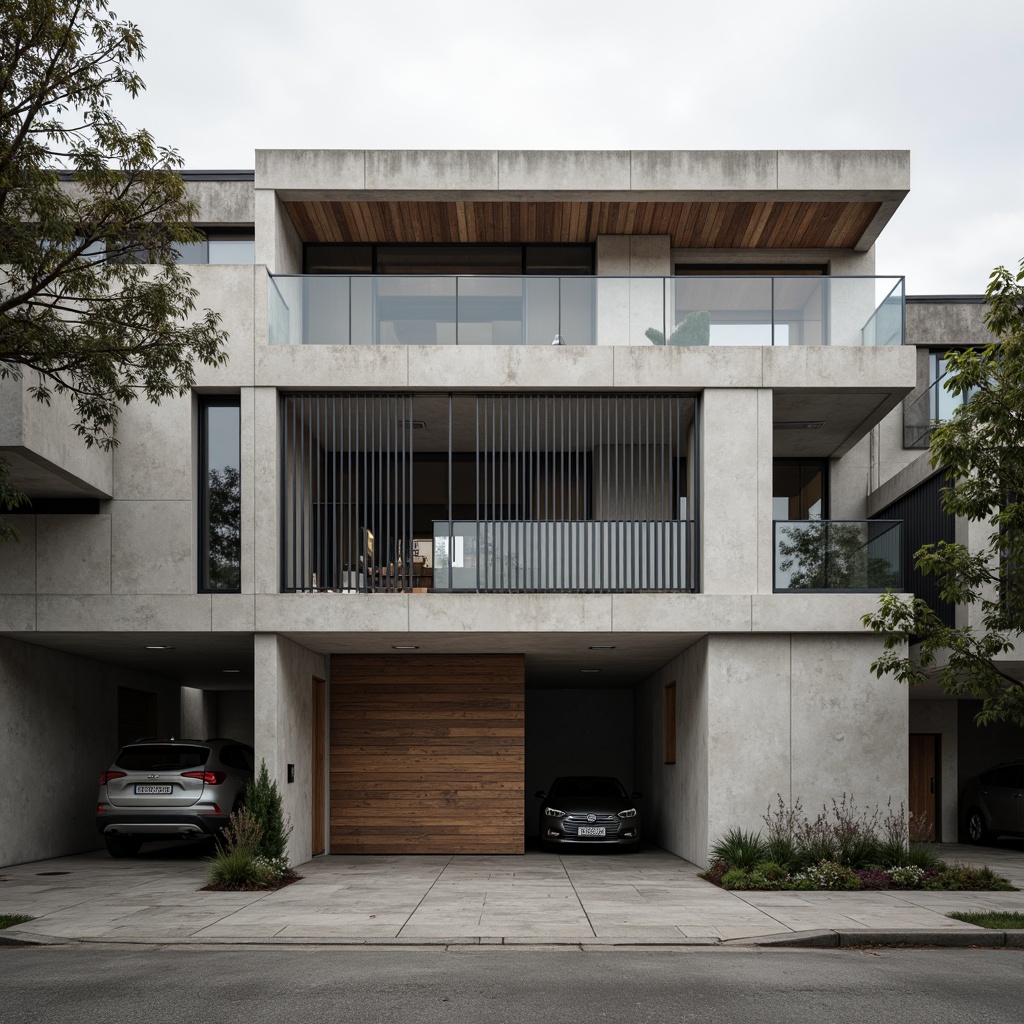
x,y
735,513
283,674
266,484
799,716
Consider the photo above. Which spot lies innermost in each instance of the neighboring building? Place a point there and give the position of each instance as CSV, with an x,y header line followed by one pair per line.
x,y
522,464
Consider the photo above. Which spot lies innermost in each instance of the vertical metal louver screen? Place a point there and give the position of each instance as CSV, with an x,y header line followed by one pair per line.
x,y
577,493
513,492
348,492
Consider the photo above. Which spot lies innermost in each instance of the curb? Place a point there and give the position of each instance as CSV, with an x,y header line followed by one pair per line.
x,y
20,938
813,939
944,937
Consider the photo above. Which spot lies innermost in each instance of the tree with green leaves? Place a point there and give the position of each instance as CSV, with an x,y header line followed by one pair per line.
x,y
825,555
981,451
93,303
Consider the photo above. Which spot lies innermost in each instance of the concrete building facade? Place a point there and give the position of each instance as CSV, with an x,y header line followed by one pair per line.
x,y
537,464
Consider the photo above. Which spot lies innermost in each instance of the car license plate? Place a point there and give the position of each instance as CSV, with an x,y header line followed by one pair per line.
x,y
591,830
152,790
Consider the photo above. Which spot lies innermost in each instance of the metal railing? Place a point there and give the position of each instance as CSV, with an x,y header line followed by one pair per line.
x,y
314,309
924,413
561,557
838,555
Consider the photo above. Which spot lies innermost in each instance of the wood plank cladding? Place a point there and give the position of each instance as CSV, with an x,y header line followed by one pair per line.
x,y
697,225
427,754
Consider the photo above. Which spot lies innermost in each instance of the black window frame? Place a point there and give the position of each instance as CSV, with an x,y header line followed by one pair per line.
x,y
207,402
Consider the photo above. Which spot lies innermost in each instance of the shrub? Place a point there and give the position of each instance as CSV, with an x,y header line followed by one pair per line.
x,y
772,872
855,833
873,878
781,825
735,878
894,844
828,874
715,873
740,849
243,832
234,869
263,802
960,876
906,877
922,855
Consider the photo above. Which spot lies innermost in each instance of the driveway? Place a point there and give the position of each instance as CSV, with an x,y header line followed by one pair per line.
x,y
649,898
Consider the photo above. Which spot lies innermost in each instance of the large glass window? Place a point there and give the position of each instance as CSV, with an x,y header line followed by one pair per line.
x,y
471,260
220,492
799,489
221,245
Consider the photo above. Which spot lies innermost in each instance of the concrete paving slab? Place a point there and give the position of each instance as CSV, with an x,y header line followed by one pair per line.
x,y
654,898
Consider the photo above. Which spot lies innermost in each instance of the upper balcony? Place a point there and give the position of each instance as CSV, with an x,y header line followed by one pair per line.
x,y
368,309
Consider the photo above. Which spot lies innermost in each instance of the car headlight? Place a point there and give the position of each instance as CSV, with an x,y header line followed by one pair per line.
x,y
630,812
552,813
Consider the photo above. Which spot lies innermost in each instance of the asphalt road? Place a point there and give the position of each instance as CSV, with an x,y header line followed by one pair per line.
x,y
132,984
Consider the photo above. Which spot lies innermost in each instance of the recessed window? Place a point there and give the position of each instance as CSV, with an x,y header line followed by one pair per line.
x,y
221,245
220,492
798,489
513,260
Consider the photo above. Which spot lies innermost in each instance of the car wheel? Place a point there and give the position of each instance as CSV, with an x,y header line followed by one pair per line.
x,y
123,846
977,832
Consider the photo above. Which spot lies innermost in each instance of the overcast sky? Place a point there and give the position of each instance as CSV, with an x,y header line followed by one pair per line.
x,y
942,78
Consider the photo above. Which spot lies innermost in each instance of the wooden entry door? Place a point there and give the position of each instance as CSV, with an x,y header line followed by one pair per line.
x,y
319,748
427,753
924,786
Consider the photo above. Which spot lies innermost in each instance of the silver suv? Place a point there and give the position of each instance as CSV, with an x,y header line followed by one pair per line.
x,y
170,789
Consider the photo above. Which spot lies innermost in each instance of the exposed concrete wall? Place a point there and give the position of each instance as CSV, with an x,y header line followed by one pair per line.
x,y
58,731
283,704
576,732
675,804
235,714
223,203
483,174
838,262
790,715
940,717
197,713
49,460
736,491
944,325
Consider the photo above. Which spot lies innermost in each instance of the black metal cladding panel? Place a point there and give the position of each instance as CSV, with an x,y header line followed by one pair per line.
x,y
924,522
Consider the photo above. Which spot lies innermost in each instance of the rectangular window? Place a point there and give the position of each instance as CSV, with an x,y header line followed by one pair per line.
x,y
799,489
512,260
220,552
221,245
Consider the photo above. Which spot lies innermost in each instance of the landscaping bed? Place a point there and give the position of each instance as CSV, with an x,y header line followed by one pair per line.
x,y
842,849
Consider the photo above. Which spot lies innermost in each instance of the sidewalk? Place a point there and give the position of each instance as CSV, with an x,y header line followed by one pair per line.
x,y
653,898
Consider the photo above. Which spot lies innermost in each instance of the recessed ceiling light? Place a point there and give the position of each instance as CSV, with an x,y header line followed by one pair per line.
x,y
231,670
159,647
590,670
602,647
799,424
404,647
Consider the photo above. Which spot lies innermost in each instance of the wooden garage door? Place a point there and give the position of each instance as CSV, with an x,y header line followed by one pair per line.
x,y
427,754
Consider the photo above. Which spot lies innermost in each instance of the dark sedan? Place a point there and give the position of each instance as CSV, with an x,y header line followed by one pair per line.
x,y
588,810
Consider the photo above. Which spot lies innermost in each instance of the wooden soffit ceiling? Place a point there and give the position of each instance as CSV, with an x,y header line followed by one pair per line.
x,y
690,225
